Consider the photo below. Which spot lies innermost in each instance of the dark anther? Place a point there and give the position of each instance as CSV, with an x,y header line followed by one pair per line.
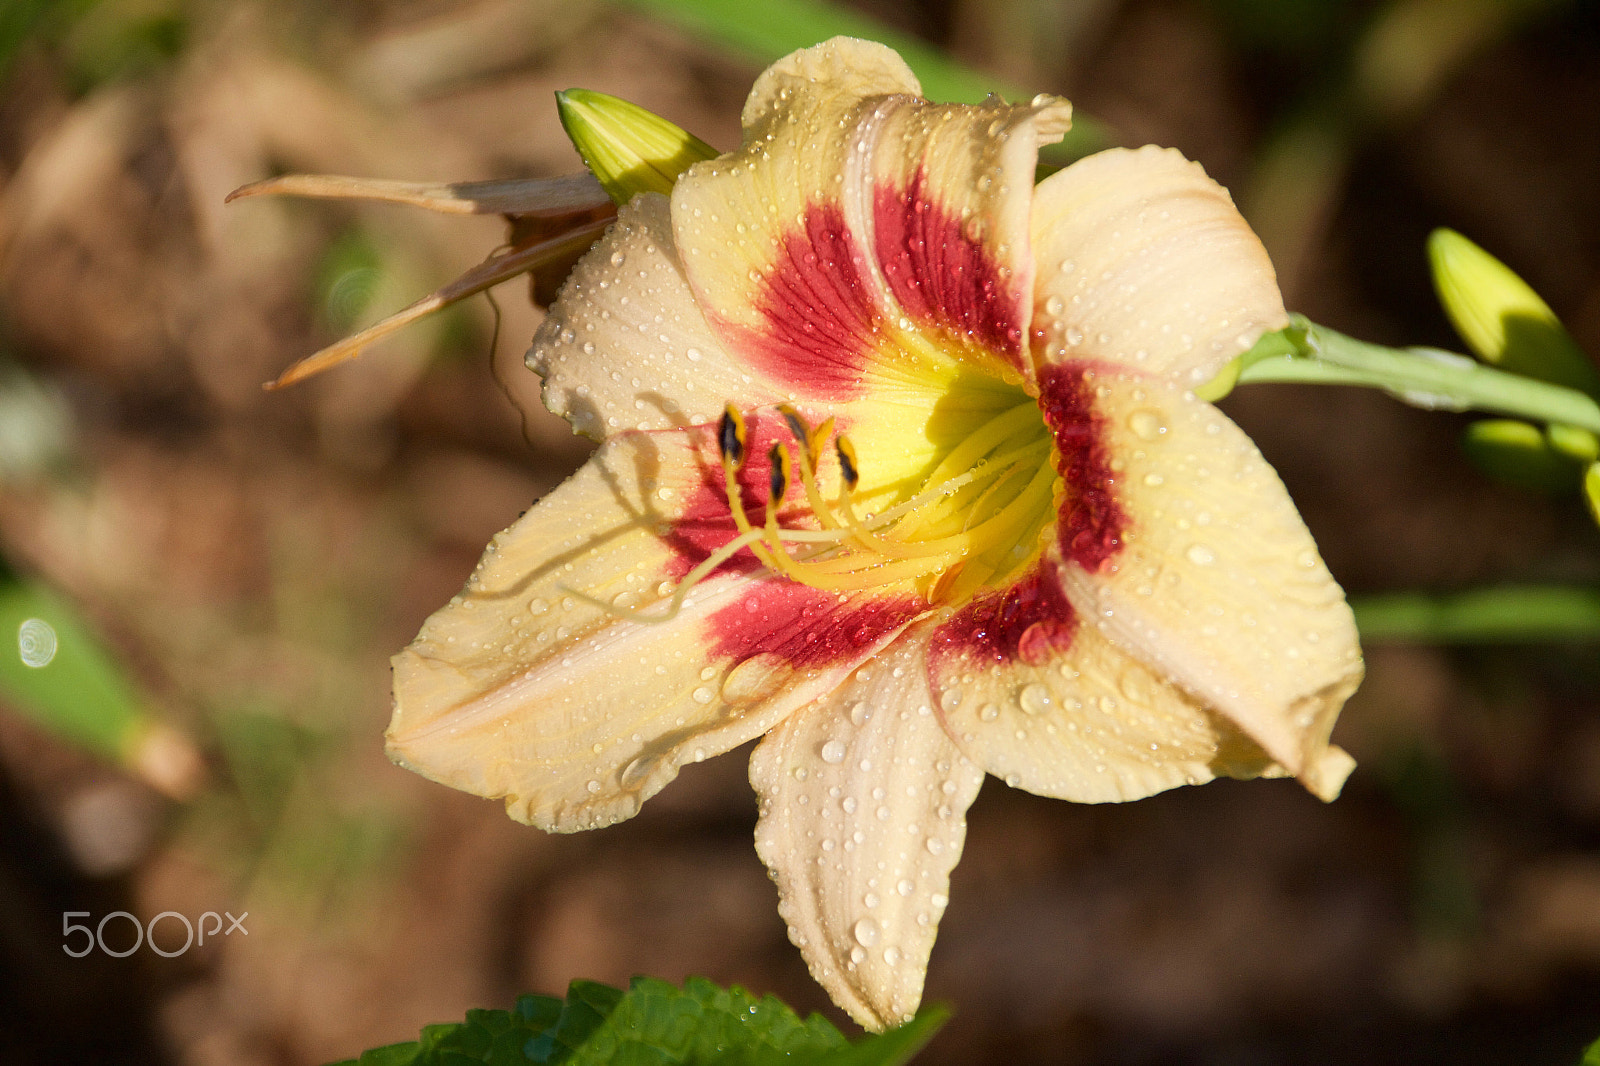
x,y
847,461
778,482
730,436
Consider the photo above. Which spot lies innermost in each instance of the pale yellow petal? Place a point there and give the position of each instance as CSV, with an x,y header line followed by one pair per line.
x,y
1143,260
1183,547
625,345
863,815
862,235
1068,714
524,688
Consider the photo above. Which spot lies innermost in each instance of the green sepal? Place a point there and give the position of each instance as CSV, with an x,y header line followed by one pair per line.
x,y
630,150
1276,343
1519,454
1501,318
1591,1057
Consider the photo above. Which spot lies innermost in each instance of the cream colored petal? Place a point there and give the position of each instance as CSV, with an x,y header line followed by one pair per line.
x,y
1144,260
521,688
863,805
625,345
862,234
1183,547
1060,711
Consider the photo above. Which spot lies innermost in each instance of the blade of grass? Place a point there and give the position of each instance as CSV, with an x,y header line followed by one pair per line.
x,y
54,671
779,27
1510,615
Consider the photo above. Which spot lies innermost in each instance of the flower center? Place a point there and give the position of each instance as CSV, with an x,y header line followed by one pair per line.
x,y
973,519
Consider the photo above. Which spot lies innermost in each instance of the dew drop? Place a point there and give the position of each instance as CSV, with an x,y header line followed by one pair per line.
x,y
833,752
1035,699
867,932
1146,424
860,712
703,695
1200,555
36,642
891,955
905,886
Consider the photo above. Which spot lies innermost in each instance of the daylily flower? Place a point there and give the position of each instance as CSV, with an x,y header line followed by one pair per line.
x,y
902,473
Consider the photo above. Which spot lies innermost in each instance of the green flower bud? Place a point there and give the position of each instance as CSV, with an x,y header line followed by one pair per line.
x,y
1574,441
1591,490
629,149
1501,318
1518,453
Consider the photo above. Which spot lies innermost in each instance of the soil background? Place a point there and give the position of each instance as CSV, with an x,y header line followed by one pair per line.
x,y
253,558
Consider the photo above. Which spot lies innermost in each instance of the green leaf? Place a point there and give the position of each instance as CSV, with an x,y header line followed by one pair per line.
x,y
653,1023
54,670
1513,614
1592,1056
778,27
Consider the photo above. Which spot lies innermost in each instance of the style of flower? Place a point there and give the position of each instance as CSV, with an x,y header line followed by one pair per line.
x,y
900,470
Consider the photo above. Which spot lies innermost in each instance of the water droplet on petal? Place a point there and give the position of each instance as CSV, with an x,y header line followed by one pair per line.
x,y
1147,424
866,932
1035,699
833,752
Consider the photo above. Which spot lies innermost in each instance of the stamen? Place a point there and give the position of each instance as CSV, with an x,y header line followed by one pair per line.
x,y
964,525
807,438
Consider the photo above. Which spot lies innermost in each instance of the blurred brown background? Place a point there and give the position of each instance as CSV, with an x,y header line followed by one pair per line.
x,y
254,558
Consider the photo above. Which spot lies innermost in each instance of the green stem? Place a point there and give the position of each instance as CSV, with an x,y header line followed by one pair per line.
x,y
1421,377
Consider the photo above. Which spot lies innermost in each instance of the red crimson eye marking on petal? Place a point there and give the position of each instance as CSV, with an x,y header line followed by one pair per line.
x,y
819,312
1092,522
804,626
1029,621
940,274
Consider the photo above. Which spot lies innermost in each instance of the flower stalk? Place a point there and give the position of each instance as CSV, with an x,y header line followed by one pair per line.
x,y
1423,377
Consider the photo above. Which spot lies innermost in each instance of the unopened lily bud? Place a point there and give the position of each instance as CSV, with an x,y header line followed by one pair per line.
x,y
1591,490
630,150
1574,441
1518,453
1501,318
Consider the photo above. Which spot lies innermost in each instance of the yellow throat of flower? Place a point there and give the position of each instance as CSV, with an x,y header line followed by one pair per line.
x,y
969,521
